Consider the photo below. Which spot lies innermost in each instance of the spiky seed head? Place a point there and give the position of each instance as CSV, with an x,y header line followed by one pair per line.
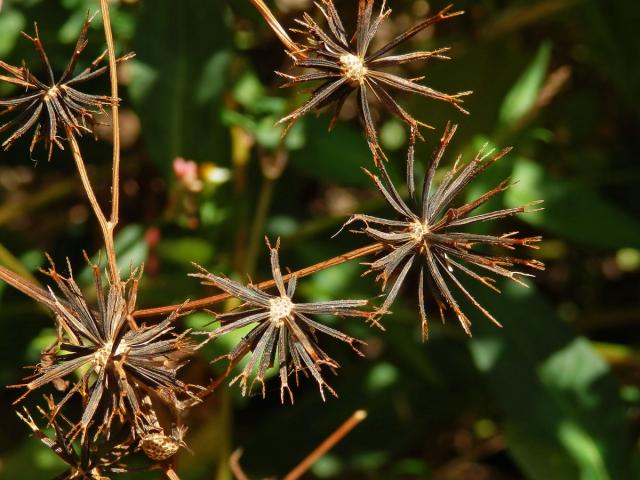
x,y
160,447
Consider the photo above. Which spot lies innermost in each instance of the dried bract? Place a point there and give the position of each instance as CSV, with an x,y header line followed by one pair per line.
x,y
53,105
119,361
284,330
430,234
91,462
345,65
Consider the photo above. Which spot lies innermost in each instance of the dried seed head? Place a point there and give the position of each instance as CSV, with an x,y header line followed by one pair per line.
x,y
96,459
53,107
160,447
285,334
346,64
428,234
117,361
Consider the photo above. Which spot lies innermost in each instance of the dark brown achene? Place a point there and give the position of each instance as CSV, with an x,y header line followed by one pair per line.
x,y
120,362
53,105
429,233
345,65
284,330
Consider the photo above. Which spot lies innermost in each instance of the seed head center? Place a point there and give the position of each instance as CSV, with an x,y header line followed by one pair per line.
x,y
419,230
52,92
103,355
280,308
353,68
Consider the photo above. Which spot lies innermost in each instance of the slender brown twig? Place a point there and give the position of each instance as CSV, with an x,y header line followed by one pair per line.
x,y
282,34
300,469
216,382
208,301
105,225
38,294
170,473
115,118
353,421
234,465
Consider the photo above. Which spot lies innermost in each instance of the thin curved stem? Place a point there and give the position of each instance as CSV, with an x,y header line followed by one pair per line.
x,y
353,421
208,301
293,48
115,118
31,290
234,465
105,225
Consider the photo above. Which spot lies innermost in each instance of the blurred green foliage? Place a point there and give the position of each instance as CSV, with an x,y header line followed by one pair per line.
x,y
555,394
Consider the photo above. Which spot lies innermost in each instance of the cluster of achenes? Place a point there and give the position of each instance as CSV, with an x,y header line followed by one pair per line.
x,y
122,376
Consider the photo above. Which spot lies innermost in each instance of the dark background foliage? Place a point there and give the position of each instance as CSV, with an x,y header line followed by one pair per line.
x,y
553,395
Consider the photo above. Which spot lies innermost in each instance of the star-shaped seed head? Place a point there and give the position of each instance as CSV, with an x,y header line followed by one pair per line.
x,y
54,107
346,64
428,233
283,331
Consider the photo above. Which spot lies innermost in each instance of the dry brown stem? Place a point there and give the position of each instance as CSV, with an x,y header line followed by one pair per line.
x,y
105,226
115,118
344,429
208,301
34,292
278,29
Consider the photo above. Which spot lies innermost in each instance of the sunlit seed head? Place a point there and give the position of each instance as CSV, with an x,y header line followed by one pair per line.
x,y
279,309
353,68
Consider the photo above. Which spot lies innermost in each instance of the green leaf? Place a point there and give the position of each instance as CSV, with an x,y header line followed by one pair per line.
x,y
178,79
131,250
571,210
523,94
12,23
183,250
334,156
564,417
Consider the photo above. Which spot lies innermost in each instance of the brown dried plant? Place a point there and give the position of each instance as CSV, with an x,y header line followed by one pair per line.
x,y
347,64
127,371
53,106
283,331
118,360
90,461
429,233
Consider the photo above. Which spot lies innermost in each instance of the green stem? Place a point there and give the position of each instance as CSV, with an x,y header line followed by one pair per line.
x,y
260,219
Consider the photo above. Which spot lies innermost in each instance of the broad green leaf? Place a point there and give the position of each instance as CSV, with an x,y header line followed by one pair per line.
x,y
571,210
178,79
563,414
12,23
335,156
187,249
523,95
